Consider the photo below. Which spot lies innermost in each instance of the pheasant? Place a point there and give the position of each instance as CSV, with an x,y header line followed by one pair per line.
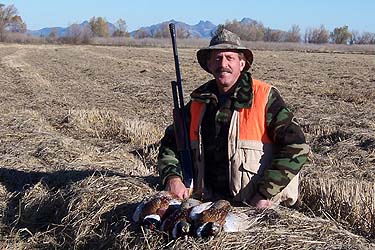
x,y
212,217
209,217
178,223
149,213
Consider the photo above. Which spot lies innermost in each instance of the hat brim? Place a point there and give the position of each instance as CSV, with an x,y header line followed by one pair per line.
x,y
202,54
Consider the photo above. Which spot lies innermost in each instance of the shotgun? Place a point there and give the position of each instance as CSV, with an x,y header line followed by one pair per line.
x,y
179,119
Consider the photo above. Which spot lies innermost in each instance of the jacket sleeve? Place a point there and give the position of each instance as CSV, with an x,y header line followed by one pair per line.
x,y
168,157
291,150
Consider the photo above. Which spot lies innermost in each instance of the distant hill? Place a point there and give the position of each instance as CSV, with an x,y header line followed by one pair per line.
x,y
246,20
46,31
60,31
203,29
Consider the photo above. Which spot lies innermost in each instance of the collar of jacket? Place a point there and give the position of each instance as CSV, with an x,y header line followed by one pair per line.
x,y
241,97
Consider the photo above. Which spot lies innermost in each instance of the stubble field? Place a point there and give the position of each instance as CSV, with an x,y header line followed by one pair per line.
x,y
80,127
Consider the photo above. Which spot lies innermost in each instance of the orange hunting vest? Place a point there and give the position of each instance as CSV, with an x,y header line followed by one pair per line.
x,y
249,147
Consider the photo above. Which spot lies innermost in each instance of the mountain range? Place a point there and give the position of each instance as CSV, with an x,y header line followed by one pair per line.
x,y
203,29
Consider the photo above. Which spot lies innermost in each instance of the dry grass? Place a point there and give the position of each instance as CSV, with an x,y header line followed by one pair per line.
x,y
254,45
85,215
104,124
345,201
81,125
140,136
95,214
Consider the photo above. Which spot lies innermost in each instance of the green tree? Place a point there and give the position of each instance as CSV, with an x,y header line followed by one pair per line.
x,y
341,35
99,27
10,21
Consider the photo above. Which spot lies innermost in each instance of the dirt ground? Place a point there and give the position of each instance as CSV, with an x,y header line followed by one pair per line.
x,y
73,117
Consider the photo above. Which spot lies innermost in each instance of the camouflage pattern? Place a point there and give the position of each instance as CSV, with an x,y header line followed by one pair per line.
x,y
224,36
282,129
292,151
168,163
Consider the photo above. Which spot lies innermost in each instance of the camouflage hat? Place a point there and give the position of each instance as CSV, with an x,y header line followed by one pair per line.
x,y
224,40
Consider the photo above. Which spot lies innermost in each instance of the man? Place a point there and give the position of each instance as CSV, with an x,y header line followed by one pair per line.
x,y
245,142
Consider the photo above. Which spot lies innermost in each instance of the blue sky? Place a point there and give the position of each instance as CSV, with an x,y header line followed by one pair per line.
x,y
278,14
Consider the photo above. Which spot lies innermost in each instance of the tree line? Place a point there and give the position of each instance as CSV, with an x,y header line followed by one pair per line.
x,y
11,22
256,31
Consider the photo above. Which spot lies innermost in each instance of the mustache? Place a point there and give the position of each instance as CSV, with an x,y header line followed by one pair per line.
x,y
221,70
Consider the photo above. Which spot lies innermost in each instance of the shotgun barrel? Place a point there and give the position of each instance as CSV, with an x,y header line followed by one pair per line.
x,y
179,119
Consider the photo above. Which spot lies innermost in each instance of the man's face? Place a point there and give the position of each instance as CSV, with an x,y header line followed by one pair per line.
x,y
226,67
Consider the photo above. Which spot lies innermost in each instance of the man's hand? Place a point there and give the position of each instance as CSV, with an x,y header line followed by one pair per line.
x,y
261,202
175,185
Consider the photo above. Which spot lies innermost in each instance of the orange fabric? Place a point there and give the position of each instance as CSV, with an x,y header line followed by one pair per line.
x,y
196,109
252,122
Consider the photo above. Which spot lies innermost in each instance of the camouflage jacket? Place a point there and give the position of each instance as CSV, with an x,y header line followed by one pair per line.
x,y
288,158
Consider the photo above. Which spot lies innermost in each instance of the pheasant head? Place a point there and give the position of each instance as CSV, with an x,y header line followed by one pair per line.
x,y
181,229
208,229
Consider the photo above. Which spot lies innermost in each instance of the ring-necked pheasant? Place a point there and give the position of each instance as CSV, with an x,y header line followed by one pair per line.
x,y
209,217
150,212
178,223
212,217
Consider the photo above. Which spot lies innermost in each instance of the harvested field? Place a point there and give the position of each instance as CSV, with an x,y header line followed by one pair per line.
x,y
79,133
